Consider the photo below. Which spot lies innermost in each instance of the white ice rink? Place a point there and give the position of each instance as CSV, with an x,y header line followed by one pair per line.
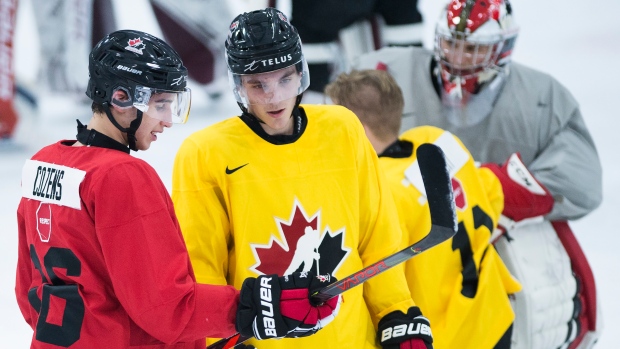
x,y
578,42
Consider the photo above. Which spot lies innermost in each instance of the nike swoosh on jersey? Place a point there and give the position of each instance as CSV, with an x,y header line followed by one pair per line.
x,y
230,171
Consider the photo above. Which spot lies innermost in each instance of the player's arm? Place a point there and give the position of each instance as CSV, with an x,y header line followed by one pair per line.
x,y
493,189
201,211
23,280
380,235
147,260
570,168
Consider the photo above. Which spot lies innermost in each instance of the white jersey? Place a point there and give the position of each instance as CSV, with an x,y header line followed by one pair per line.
x,y
533,115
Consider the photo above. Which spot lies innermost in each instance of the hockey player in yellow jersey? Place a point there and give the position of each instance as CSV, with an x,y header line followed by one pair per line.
x,y
462,284
287,187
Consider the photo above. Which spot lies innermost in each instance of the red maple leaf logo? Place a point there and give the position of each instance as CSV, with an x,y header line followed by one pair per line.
x,y
134,42
276,256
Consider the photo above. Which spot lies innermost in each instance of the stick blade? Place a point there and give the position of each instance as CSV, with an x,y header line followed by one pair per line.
x,y
438,185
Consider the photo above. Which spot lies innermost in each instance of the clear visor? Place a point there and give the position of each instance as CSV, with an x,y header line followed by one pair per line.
x,y
271,87
167,106
461,57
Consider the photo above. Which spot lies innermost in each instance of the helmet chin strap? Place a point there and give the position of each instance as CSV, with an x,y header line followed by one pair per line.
x,y
131,130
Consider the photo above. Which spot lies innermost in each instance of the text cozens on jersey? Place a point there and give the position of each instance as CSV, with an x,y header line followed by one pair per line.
x,y
48,183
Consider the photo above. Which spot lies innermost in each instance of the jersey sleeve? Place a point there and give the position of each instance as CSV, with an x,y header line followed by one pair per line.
x,y
24,274
202,213
493,187
147,260
569,165
380,236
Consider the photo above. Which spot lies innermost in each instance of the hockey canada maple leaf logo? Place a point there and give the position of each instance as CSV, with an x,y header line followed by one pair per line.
x,y
300,247
135,45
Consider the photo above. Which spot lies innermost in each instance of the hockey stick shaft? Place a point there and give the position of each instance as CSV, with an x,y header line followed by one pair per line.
x,y
438,187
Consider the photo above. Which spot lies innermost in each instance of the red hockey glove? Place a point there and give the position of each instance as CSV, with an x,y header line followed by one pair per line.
x,y
524,196
276,307
400,331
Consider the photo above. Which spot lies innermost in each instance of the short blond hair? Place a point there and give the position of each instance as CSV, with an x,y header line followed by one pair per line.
x,y
374,96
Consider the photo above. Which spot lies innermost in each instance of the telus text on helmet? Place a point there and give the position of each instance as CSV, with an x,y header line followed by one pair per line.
x,y
268,62
131,70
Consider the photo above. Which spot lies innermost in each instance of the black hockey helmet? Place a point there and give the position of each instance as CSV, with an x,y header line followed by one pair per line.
x,y
140,64
263,41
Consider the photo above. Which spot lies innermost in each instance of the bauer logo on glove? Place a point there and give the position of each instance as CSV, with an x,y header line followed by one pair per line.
x,y
277,307
411,330
405,329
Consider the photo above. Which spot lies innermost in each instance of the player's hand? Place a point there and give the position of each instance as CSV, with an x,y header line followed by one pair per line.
x,y
524,196
277,307
400,331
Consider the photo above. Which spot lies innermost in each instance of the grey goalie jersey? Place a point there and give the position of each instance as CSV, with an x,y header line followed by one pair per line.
x,y
533,115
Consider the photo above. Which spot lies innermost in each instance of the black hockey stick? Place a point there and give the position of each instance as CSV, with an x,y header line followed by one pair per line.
x,y
438,188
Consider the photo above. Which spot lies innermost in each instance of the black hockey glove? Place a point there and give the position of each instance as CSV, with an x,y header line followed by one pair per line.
x,y
276,307
400,331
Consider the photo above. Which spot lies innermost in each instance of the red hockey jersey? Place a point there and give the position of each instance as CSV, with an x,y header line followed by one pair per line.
x,y
102,262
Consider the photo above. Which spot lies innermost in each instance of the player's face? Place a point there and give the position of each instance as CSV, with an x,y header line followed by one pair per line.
x,y
159,116
272,87
463,55
276,117
272,97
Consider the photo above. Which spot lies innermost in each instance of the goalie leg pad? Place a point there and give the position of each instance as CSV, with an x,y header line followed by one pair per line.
x,y
550,311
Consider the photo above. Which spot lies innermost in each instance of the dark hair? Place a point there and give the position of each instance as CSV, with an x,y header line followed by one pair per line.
x,y
97,108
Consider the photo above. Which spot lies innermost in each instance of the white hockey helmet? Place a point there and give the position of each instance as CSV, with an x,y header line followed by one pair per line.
x,y
474,36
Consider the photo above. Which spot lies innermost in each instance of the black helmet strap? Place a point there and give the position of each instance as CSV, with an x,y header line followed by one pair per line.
x,y
97,139
131,130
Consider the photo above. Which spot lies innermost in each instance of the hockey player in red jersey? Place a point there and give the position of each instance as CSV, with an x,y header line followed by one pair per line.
x,y
101,259
498,108
288,187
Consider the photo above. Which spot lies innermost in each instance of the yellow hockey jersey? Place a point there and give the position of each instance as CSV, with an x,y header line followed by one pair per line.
x,y
248,206
461,285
